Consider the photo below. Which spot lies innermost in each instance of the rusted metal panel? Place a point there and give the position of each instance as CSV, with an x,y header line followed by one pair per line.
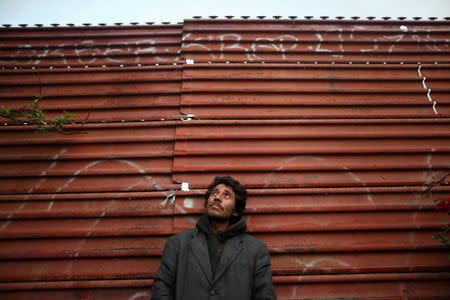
x,y
90,46
336,155
302,91
97,94
323,41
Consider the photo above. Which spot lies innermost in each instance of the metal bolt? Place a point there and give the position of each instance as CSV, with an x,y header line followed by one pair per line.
x,y
118,24
102,24
134,23
38,25
54,24
324,17
87,24
370,18
340,17
260,17
229,17
386,18
165,23
245,17
292,17
213,17
149,23
7,25
70,24
355,17
197,17
432,18
309,17
277,17
417,18
401,18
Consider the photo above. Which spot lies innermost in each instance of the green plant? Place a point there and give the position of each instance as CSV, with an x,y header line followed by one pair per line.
x,y
37,118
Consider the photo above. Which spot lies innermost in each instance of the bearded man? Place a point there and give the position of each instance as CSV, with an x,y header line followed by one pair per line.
x,y
217,259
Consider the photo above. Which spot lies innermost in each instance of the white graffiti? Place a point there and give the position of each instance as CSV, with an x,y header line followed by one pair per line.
x,y
423,77
30,191
88,52
218,46
96,162
271,176
138,295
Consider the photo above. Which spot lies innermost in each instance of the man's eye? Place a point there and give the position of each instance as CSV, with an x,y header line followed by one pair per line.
x,y
228,196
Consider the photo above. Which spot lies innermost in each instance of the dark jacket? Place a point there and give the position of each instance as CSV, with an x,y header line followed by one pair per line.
x,y
185,272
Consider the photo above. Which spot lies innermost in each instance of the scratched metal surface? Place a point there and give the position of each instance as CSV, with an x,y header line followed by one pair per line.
x,y
334,156
90,46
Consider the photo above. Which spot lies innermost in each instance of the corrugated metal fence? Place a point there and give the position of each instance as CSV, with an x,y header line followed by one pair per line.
x,y
334,126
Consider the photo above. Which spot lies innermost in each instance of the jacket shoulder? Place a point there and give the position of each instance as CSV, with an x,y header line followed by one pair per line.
x,y
181,237
253,242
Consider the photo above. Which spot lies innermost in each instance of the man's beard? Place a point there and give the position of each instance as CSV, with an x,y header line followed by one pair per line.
x,y
218,219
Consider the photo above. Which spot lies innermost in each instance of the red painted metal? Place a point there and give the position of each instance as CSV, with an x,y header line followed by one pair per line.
x,y
282,91
292,41
90,46
336,155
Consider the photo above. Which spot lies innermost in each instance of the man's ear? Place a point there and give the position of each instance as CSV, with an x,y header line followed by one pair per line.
x,y
235,213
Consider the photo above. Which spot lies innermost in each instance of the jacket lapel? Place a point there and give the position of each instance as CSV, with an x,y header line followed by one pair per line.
x,y
230,252
200,252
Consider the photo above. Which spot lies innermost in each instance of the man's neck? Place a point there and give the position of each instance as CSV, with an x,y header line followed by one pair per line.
x,y
218,224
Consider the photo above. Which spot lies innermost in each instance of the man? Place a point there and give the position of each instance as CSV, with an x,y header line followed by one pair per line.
x,y
216,260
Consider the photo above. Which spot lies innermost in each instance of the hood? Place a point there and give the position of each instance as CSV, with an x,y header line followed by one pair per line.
x,y
237,226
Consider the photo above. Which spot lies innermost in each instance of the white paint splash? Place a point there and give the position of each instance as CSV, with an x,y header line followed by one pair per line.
x,y
427,88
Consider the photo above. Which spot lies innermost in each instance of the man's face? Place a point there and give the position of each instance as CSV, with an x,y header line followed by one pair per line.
x,y
221,202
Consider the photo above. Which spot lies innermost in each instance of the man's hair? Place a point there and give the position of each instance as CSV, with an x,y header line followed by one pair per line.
x,y
239,191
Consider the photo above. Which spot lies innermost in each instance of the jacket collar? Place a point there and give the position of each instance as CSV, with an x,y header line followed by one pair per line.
x,y
231,251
